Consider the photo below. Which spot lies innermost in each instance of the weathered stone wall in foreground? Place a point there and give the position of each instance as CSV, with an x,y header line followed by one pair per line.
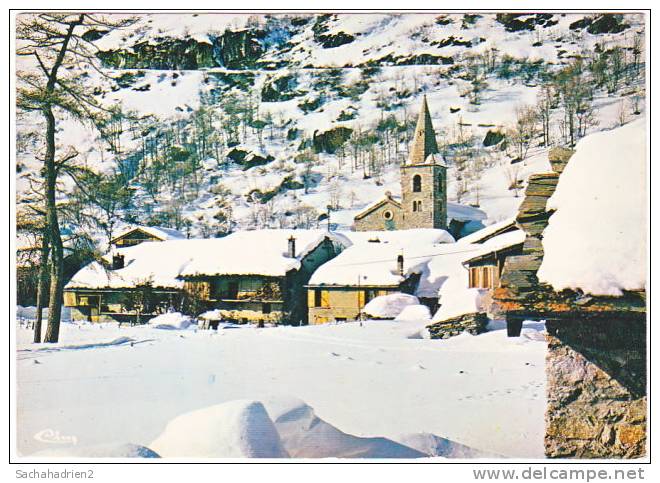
x,y
474,323
596,388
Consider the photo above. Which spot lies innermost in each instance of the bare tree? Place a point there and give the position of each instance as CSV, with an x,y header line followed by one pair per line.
x,y
58,48
522,131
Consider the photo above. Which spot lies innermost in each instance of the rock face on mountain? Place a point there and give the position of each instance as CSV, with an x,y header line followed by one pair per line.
x,y
161,54
233,49
596,362
239,49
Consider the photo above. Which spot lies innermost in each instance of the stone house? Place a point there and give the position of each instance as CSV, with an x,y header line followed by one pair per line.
x,y
252,276
131,284
138,234
374,265
423,201
596,363
471,274
485,265
259,276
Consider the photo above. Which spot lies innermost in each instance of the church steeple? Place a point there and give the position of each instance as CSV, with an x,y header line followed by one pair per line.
x,y
424,143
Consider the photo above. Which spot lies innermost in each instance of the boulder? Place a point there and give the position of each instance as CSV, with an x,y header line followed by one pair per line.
x,y
493,138
331,140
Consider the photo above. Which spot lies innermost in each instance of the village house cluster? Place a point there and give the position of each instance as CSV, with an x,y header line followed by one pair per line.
x,y
409,245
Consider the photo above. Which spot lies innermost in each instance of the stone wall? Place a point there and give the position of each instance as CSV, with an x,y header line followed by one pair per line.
x,y
596,388
376,221
433,196
474,323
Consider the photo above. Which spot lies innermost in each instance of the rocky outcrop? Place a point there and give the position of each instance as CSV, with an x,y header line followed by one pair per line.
x,y
474,324
162,53
331,140
239,49
514,22
233,49
329,40
493,138
248,158
279,89
607,23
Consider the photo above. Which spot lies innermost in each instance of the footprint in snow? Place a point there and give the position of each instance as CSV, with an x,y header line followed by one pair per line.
x,y
349,358
334,354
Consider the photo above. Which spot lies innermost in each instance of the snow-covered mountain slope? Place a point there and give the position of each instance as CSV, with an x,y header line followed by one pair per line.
x,y
264,121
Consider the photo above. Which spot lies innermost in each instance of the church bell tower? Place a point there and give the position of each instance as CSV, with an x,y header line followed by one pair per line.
x,y
424,179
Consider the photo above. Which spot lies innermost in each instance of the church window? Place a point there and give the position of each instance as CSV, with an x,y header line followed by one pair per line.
x,y
387,215
417,183
417,206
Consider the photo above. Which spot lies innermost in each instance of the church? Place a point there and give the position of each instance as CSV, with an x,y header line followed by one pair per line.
x,y
423,202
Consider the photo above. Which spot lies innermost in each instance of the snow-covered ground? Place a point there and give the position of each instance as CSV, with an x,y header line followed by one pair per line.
x,y
109,387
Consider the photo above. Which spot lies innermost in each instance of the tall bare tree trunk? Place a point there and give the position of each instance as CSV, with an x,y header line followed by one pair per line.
x,y
41,286
53,231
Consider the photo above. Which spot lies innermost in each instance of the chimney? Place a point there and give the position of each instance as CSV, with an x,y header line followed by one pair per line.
x,y
399,264
292,247
117,261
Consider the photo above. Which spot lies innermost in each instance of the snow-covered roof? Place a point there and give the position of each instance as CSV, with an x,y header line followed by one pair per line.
x,y
596,239
374,263
498,243
494,229
257,252
159,232
447,279
159,263
464,213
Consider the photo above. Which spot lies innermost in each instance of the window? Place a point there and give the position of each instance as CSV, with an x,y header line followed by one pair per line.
x,y
321,298
232,290
482,277
417,183
417,206
388,215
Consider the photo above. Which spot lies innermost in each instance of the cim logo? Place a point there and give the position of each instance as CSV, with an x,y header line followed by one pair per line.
x,y
53,436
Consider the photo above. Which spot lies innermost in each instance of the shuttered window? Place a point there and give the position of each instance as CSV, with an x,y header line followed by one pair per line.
x,y
483,277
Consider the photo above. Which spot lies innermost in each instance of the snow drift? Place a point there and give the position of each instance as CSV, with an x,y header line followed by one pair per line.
x,y
235,429
389,306
414,312
305,435
171,320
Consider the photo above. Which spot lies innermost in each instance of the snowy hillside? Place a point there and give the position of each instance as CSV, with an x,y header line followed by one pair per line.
x,y
235,121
